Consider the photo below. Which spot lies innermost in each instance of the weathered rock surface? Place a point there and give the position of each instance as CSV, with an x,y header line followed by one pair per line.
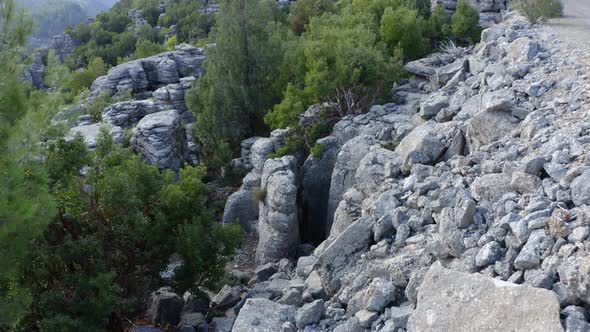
x,y
262,315
161,140
278,224
455,301
149,74
479,163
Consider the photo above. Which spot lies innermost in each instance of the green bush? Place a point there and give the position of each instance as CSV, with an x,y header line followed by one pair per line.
x,y
465,23
115,230
83,79
539,10
404,29
318,151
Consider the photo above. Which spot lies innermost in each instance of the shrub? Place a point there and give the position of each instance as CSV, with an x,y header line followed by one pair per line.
x,y
404,29
115,230
318,151
539,10
465,23
97,106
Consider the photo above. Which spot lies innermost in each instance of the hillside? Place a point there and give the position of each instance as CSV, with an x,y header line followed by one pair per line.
x,y
298,166
53,16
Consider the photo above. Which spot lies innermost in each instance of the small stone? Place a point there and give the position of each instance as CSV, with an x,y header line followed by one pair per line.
x,y
488,254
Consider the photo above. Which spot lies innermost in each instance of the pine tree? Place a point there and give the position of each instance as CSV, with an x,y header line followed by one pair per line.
x,y
25,203
238,87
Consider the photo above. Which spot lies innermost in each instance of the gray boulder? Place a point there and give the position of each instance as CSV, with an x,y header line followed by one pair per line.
x,y
424,145
161,140
457,301
259,153
490,187
149,74
343,251
489,126
580,189
242,206
127,113
433,105
262,315
523,49
309,314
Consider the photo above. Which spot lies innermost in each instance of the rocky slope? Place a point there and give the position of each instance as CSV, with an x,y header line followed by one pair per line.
x,y
462,205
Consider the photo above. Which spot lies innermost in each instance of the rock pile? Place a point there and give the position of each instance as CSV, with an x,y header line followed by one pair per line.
x,y
471,189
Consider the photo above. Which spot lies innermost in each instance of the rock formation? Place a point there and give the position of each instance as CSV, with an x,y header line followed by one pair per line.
x,y
469,190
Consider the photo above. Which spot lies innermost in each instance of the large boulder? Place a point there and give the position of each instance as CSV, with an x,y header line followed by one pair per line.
x,y
242,207
580,188
161,140
523,49
259,153
490,187
262,315
456,301
491,124
278,222
424,145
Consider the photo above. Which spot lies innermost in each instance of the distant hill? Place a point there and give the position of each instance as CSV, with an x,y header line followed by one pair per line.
x,y
53,16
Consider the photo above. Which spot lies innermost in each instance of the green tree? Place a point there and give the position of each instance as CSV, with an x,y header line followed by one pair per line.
x,y
304,10
439,25
238,87
116,228
403,29
25,204
465,23
83,79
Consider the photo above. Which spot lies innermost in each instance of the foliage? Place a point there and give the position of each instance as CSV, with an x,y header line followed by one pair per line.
x,y
25,203
96,106
304,10
145,48
318,151
83,79
404,30
465,23
539,10
232,97
190,21
105,247
439,26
